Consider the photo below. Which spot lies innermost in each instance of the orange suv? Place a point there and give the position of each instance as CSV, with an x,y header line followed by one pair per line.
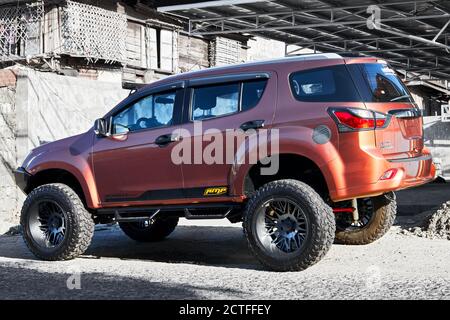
x,y
305,151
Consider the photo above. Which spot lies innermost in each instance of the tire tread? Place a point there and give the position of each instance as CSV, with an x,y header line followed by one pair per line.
x,y
83,228
322,241
386,214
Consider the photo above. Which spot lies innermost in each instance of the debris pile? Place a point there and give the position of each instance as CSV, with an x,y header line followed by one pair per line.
x,y
14,230
436,226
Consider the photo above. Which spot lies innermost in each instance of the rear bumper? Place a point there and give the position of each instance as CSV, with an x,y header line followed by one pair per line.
x,y
410,173
22,177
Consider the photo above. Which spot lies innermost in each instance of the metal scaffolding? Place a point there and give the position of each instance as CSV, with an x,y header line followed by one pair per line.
x,y
20,24
93,32
28,30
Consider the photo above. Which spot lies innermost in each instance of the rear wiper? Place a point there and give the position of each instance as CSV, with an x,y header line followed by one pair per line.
x,y
401,97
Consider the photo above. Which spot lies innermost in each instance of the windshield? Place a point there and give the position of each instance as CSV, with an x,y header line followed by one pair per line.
x,y
380,83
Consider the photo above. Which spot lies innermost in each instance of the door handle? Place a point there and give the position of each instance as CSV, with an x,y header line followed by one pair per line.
x,y
166,139
255,124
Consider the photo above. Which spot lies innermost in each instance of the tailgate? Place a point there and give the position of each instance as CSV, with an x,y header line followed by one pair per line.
x,y
384,93
403,135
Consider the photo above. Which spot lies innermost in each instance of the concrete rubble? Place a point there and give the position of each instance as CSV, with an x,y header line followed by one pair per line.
x,y
434,226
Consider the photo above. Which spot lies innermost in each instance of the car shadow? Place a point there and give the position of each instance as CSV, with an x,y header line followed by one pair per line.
x,y
200,245
16,282
218,246
203,245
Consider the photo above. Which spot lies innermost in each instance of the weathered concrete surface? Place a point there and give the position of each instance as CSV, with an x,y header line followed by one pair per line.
x,y
213,261
9,193
55,107
44,107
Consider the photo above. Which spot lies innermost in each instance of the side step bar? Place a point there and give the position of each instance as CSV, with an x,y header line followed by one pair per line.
x,y
119,218
192,216
191,212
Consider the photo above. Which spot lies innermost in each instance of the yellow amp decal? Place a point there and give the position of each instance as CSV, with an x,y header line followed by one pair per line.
x,y
216,191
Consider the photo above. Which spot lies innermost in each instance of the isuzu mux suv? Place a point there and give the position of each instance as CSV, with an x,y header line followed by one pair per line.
x,y
338,135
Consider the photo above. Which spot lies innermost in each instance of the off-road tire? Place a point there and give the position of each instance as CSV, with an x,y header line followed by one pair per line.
x,y
157,231
385,211
321,227
80,225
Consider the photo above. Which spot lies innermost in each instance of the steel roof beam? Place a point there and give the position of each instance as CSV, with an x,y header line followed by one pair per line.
x,y
377,43
282,24
306,10
362,44
205,4
256,28
340,41
365,39
349,13
292,23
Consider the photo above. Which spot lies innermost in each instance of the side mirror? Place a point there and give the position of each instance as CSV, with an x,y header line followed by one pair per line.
x,y
120,129
101,127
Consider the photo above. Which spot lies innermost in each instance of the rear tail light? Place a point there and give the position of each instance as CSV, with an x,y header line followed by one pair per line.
x,y
381,120
354,119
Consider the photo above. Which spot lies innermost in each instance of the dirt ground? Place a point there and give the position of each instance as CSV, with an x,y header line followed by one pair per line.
x,y
210,259
214,262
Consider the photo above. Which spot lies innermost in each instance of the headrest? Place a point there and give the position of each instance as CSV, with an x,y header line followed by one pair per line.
x,y
164,100
206,102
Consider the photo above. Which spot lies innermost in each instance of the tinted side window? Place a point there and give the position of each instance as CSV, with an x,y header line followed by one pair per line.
x,y
215,100
149,112
252,92
328,84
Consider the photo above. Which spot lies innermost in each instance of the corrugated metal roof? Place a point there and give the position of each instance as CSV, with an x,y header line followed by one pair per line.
x,y
408,28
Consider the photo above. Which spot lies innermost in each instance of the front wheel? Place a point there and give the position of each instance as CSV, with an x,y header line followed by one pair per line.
x,y
376,217
288,226
55,223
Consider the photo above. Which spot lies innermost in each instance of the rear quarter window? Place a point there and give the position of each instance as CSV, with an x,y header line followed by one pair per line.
x,y
327,84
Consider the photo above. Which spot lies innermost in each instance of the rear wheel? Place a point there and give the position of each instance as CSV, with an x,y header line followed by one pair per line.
x,y
149,230
376,217
288,226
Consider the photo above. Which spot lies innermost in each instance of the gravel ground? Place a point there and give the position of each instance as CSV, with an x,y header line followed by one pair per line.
x,y
210,260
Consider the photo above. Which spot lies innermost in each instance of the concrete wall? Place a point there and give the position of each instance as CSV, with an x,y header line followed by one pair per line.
x,y
44,107
57,106
9,194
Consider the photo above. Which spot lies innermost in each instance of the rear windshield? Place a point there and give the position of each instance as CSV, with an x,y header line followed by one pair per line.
x,y
327,84
377,82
